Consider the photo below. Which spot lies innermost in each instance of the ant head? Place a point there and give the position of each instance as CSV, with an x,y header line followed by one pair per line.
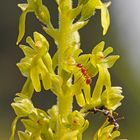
x,y
79,65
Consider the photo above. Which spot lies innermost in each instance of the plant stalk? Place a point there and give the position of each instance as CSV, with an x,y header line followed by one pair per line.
x,y
64,101
64,42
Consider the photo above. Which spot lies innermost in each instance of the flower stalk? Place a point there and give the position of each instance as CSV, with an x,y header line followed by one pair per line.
x,y
67,74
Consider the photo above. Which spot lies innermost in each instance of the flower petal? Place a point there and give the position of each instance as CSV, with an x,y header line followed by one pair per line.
x,y
105,18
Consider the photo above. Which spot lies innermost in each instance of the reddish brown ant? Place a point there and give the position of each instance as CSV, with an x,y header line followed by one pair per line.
x,y
85,73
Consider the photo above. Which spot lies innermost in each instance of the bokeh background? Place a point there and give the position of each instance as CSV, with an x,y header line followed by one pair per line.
x,y
123,35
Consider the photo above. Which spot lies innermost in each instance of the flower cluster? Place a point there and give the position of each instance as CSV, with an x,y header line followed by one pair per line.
x,y
68,74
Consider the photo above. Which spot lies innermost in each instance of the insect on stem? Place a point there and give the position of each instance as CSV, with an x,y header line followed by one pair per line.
x,y
109,115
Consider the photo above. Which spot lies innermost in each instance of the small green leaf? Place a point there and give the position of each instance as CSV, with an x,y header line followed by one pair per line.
x,y
54,33
53,112
27,50
42,113
42,39
35,79
13,128
108,51
96,96
22,26
26,8
47,60
24,68
107,80
45,76
86,90
30,41
56,84
105,18
64,7
78,25
39,115
42,13
23,6
97,56
30,125
55,60
23,136
46,80
110,60
92,70
76,40
83,59
28,89
115,134
66,75
103,80
57,1
41,44
80,99
85,126
98,48
77,53
75,12
88,10
22,107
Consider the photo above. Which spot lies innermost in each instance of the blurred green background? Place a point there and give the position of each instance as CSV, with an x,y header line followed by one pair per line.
x,y
123,36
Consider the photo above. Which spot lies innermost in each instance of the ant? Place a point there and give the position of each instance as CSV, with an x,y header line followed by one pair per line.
x,y
109,115
85,73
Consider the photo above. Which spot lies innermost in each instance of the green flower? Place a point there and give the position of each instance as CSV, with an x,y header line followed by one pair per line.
x,y
40,10
97,62
89,9
111,98
37,62
101,61
76,120
101,57
106,132
22,106
68,74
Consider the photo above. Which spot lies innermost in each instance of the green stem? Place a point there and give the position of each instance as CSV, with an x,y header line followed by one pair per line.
x,y
64,101
64,42
65,32
65,105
